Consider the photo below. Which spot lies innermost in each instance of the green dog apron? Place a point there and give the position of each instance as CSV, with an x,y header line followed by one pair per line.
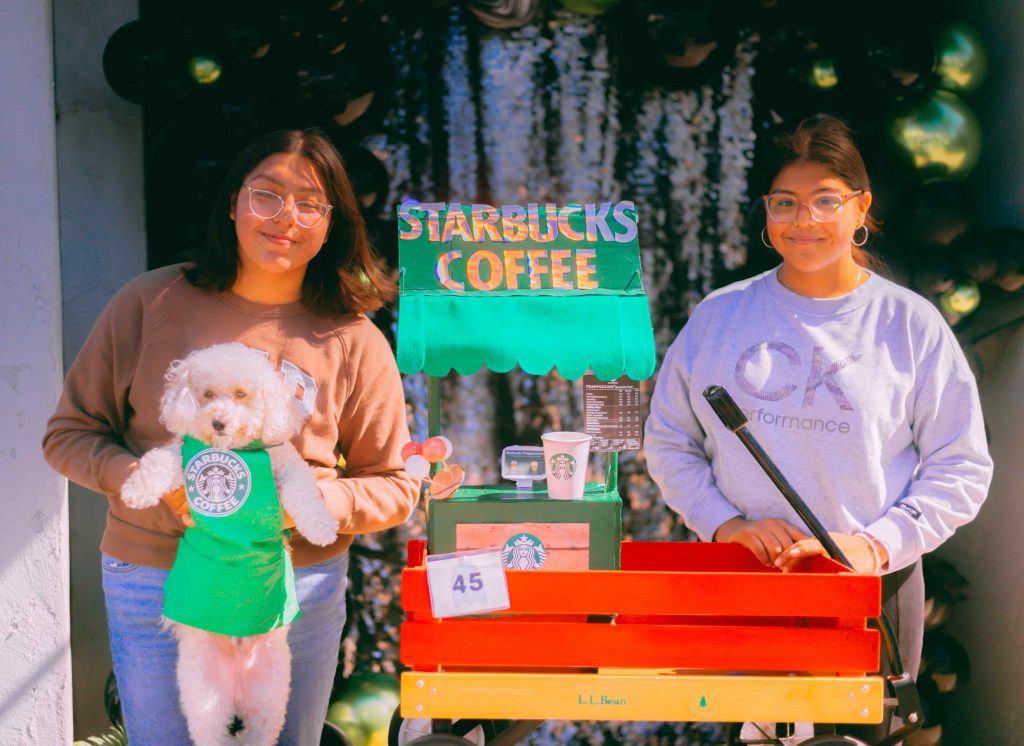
x,y
232,574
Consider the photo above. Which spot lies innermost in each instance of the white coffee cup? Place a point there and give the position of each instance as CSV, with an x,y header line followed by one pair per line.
x,y
565,461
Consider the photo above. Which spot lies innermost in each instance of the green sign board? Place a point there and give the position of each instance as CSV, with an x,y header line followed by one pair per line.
x,y
540,286
546,249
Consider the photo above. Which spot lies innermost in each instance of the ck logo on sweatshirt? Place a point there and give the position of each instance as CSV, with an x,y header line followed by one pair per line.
x,y
217,482
767,354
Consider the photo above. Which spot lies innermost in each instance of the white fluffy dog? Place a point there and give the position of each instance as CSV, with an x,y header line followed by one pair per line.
x,y
231,399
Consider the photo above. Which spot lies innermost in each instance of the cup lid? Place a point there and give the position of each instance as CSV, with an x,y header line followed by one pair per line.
x,y
566,436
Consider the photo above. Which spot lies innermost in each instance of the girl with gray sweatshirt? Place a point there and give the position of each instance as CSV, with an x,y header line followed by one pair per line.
x,y
854,385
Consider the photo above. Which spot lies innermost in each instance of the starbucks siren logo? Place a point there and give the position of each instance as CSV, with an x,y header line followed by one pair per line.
x,y
562,466
217,482
524,552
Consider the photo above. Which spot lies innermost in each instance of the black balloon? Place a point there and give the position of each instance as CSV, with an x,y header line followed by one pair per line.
x,y
899,62
348,91
591,7
942,653
1008,245
504,14
140,66
369,178
123,61
942,581
936,214
676,45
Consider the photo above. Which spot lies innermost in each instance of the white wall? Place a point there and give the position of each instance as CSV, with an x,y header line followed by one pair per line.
x,y
990,624
997,179
35,683
103,244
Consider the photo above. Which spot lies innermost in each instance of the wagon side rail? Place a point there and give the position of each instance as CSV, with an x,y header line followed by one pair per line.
x,y
672,606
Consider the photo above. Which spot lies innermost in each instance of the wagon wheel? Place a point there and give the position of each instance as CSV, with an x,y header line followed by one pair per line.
x,y
406,731
732,738
332,735
441,739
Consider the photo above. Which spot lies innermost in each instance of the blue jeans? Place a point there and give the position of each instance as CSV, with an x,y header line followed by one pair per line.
x,y
146,655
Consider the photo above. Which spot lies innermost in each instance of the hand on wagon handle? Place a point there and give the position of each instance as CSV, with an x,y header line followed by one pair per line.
x,y
767,538
867,555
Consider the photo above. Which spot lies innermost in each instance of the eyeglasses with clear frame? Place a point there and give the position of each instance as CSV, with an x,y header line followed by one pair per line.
x,y
267,205
824,208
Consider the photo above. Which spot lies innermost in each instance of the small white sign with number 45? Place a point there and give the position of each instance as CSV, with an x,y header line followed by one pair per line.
x,y
463,583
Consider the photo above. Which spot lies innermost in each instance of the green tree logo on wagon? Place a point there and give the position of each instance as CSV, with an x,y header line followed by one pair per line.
x,y
562,466
523,552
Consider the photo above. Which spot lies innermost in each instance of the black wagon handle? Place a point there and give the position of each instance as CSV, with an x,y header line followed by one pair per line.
x,y
734,419
901,685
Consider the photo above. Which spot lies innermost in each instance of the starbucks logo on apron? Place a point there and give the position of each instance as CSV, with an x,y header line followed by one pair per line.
x,y
562,466
217,482
524,552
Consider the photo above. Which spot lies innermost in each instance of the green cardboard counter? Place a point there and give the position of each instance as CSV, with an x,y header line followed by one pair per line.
x,y
534,532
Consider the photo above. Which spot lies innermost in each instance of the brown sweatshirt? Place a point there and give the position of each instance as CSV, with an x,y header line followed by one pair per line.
x,y
344,374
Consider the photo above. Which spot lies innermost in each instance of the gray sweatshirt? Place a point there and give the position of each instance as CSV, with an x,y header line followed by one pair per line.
x,y
865,402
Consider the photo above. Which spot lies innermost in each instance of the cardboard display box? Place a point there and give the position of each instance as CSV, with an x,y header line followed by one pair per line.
x,y
534,531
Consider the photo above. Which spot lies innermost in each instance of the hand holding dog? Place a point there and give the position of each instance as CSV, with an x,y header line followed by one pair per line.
x,y
179,504
301,498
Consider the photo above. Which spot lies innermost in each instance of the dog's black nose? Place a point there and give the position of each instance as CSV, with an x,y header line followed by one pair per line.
x,y
218,425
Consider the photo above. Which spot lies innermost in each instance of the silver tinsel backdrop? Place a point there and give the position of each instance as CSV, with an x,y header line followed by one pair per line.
x,y
535,114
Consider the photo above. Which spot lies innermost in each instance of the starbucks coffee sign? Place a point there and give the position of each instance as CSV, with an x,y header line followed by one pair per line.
x,y
540,248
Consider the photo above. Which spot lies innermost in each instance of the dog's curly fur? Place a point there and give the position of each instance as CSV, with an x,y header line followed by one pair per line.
x,y
228,396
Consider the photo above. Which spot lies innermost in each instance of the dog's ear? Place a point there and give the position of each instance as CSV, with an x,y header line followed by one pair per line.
x,y
281,410
178,406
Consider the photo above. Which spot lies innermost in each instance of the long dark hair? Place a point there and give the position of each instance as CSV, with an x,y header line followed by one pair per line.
x,y
828,141
346,275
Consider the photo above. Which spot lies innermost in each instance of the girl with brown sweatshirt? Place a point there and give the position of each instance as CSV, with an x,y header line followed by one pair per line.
x,y
287,270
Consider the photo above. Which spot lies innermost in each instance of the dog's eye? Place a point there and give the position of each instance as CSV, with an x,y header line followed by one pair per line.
x,y
241,394
208,394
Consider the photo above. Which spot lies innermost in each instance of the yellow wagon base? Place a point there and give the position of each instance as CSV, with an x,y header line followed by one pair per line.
x,y
652,697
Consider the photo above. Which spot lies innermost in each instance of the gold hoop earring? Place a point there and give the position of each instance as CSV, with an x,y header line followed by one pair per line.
x,y
864,241
764,238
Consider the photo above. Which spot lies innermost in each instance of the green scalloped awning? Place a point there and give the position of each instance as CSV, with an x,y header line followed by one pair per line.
x,y
609,334
542,287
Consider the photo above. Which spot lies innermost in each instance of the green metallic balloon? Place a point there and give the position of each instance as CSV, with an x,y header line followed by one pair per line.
x,y
961,299
822,74
960,58
362,707
591,7
935,139
204,70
